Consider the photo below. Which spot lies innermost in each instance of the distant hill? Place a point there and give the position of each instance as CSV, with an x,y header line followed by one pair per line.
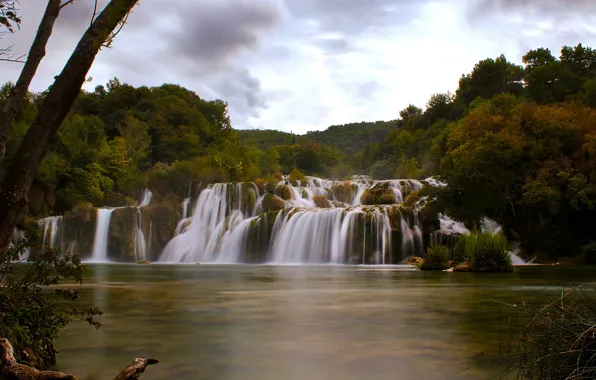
x,y
265,138
349,138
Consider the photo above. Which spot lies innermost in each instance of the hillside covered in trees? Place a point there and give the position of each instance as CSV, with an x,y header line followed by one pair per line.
x,y
514,143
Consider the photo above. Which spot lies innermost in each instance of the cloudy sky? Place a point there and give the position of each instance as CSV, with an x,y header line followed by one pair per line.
x,y
300,65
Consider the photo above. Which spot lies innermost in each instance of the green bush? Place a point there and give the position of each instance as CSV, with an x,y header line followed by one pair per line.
x,y
33,307
296,175
485,252
436,258
558,340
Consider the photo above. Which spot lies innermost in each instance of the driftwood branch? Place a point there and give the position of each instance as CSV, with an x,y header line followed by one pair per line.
x,y
11,370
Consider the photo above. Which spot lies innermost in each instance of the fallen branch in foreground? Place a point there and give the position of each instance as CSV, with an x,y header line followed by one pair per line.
x,y
11,370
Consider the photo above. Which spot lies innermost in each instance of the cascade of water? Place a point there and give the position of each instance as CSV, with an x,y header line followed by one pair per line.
x,y
217,213
16,239
49,225
381,227
489,225
102,229
146,198
185,208
140,246
307,236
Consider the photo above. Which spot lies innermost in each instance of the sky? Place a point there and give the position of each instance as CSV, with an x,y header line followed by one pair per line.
x,y
303,65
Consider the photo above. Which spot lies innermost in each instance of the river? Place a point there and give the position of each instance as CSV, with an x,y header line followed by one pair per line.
x,y
301,322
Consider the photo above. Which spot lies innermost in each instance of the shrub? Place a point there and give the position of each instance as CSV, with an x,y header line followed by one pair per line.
x,y
296,175
558,340
485,252
32,307
436,258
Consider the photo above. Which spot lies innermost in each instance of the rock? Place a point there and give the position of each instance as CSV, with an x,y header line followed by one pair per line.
x,y
272,203
412,198
379,194
465,267
286,193
413,260
142,262
321,201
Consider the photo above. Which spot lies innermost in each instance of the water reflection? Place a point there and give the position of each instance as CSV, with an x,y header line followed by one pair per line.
x,y
272,322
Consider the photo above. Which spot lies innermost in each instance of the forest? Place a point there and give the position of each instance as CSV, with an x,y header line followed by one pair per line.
x,y
514,143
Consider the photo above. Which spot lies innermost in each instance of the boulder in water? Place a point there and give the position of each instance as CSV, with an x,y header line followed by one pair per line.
x,y
273,203
379,194
321,201
413,260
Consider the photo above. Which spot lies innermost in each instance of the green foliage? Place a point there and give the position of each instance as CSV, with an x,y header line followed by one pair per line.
x,y
35,306
408,169
485,252
342,171
436,258
491,77
9,18
296,175
557,341
383,169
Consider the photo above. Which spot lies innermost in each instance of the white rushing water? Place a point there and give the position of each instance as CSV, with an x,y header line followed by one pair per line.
x,y
146,198
49,228
225,221
102,229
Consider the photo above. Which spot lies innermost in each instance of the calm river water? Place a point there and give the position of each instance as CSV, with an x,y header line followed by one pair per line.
x,y
301,322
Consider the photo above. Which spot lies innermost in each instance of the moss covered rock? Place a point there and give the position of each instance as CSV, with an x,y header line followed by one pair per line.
x,y
321,201
380,194
272,203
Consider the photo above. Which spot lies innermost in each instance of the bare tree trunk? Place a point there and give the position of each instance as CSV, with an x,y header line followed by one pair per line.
x,y
36,53
53,111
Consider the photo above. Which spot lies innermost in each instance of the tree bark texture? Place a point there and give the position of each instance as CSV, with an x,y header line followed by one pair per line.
x,y
53,111
11,370
36,53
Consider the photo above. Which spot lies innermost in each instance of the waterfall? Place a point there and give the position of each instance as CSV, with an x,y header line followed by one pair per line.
x,y
102,229
322,221
140,246
219,210
49,225
16,239
146,198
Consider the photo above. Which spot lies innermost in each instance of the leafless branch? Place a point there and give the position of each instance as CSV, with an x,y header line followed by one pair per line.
x,y
94,12
66,3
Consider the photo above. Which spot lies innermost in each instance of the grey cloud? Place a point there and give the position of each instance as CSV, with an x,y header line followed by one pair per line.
x,y
242,91
217,30
354,16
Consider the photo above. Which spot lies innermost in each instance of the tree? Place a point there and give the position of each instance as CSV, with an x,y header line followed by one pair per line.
x,y
9,19
490,77
410,111
55,107
11,105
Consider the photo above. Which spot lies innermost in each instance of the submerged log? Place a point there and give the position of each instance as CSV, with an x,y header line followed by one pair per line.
x,y
11,370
